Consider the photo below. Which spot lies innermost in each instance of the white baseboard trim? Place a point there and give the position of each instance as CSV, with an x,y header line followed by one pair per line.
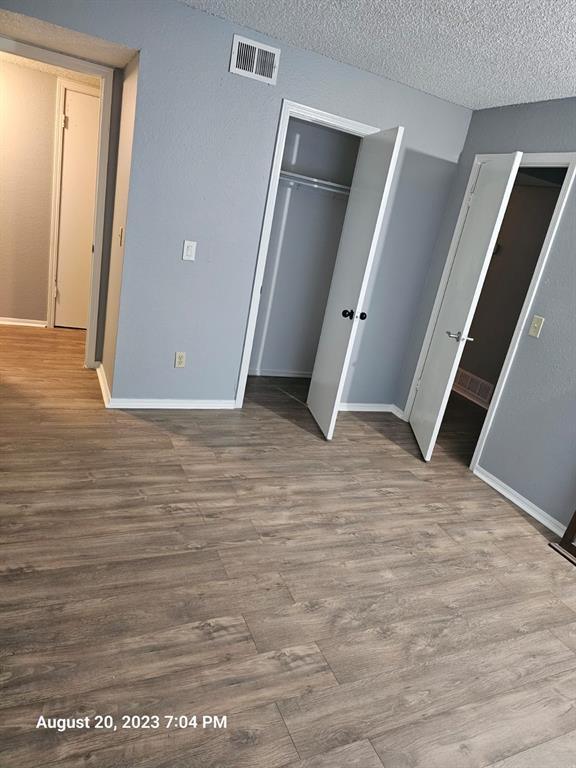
x,y
103,381
280,374
160,404
18,321
374,408
525,504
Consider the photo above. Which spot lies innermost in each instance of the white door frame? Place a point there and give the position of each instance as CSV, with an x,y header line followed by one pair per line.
x,y
310,114
540,159
62,85
106,75
561,160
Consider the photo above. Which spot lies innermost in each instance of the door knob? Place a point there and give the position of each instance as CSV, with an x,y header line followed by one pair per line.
x,y
362,315
458,336
348,313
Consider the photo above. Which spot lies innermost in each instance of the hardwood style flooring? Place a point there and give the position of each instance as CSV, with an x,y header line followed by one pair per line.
x,y
344,604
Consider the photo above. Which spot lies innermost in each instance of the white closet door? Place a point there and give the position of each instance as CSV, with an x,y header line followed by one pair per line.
x,y
373,176
474,245
77,202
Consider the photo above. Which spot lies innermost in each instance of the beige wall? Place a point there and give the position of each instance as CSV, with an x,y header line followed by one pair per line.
x,y
27,108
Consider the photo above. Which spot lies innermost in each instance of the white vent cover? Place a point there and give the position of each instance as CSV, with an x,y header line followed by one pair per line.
x,y
255,60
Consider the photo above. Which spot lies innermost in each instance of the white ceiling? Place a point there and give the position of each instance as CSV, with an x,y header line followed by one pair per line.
x,y
477,53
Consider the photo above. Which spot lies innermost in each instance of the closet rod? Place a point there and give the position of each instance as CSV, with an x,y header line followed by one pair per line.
x,y
310,181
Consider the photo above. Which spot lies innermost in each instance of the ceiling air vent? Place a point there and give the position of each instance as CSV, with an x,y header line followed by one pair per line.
x,y
255,60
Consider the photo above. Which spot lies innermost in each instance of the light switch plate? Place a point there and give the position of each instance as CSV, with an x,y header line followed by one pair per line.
x,y
189,250
536,326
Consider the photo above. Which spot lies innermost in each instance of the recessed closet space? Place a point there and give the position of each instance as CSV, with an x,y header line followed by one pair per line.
x,y
317,169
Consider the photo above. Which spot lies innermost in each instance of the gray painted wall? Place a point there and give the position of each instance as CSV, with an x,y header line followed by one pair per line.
x,y
27,113
532,444
203,148
303,247
321,152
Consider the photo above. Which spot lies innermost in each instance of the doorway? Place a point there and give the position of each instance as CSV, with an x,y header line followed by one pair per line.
x,y
502,240
71,186
329,188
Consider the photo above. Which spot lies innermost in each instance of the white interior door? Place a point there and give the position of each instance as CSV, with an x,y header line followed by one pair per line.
x,y
373,175
77,205
472,247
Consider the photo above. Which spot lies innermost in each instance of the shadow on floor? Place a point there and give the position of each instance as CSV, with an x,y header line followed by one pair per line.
x,y
285,397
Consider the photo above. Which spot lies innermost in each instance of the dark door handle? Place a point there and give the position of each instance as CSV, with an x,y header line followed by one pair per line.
x,y
363,315
348,313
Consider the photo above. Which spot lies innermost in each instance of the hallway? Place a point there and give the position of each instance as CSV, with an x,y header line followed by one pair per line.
x,y
343,604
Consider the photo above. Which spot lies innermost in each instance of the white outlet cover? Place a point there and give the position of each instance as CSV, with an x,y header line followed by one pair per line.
x,y
180,360
189,250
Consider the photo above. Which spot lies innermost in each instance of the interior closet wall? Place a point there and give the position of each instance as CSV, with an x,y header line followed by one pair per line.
x,y
27,109
518,248
303,246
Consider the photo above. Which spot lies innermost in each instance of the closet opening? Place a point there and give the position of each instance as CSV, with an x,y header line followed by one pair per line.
x,y
314,185
330,185
518,246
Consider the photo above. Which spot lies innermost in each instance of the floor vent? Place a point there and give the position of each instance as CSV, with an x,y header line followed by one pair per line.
x,y
473,388
255,60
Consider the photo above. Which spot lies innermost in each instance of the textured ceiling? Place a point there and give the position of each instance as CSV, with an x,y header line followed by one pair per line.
x,y
41,66
477,53
26,29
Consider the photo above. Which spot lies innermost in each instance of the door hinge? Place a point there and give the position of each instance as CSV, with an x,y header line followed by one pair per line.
x,y
121,237
55,291
418,384
64,121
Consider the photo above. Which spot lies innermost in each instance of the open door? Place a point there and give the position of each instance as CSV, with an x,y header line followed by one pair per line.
x,y
472,245
373,176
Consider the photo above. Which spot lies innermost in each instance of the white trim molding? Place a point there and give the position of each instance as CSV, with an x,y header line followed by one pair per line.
x,y
521,501
374,408
103,381
161,404
20,321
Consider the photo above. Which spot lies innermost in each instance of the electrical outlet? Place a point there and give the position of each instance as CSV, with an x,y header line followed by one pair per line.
x,y
180,360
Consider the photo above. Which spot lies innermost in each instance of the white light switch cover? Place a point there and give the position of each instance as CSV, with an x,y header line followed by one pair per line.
x,y
189,250
536,326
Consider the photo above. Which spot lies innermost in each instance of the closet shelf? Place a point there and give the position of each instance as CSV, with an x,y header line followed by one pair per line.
x,y
310,181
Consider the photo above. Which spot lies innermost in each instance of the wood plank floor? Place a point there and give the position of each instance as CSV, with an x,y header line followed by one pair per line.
x,y
344,604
